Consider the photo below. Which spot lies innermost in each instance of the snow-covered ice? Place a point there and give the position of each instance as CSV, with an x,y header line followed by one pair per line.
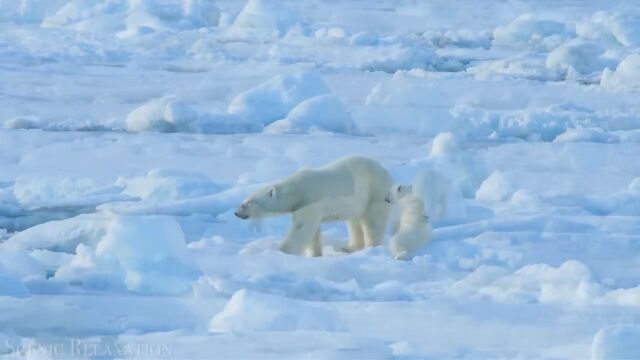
x,y
131,129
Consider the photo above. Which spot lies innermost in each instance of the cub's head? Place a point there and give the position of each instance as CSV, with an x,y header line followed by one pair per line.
x,y
263,203
397,192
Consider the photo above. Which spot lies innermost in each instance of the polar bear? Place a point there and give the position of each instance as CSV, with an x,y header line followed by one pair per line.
x,y
411,230
350,189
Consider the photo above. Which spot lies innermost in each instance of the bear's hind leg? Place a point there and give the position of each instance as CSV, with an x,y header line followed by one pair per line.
x,y
374,224
356,236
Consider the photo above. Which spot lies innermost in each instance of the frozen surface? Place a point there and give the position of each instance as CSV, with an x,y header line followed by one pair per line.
x,y
131,129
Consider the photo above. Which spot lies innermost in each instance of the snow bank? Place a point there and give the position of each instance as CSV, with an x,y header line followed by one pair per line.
x,y
527,31
262,20
581,56
611,27
145,254
319,113
495,188
253,311
273,99
586,135
626,75
167,185
617,342
162,115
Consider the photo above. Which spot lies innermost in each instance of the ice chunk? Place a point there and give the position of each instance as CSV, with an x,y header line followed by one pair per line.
x,y
262,19
320,113
253,311
274,99
611,27
145,254
626,75
527,31
495,188
587,135
617,342
582,56
162,115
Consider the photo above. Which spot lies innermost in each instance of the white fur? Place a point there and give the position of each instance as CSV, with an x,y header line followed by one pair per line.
x,y
350,189
412,230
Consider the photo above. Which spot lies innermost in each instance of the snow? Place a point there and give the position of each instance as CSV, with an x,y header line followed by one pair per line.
x,y
319,113
495,188
132,129
616,342
528,31
262,19
252,311
626,75
163,115
274,99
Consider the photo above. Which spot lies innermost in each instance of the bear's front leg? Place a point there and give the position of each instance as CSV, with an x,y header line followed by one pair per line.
x,y
305,226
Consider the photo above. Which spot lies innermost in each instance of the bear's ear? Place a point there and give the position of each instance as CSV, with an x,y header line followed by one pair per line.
x,y
272,192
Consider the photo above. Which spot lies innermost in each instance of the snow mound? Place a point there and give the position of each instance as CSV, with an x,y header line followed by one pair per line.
x,y
320,113
254,311
162,115
444,145
617,342
527,31
10,286
581,56
134,17
570,283
167,185
586,135
495,188
273,99
611,27
262,20
146,254
626,75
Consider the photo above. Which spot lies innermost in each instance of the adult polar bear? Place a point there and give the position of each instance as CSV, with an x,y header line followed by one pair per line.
x,y
351,189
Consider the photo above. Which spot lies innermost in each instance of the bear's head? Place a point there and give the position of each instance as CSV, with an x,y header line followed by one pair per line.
x,y
265,202
397,192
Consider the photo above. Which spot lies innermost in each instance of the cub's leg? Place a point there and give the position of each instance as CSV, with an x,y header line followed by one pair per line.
x,y
374,224
305,226
356,236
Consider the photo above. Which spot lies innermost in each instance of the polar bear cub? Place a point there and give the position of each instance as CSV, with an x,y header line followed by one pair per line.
x,y
411,230
350,189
